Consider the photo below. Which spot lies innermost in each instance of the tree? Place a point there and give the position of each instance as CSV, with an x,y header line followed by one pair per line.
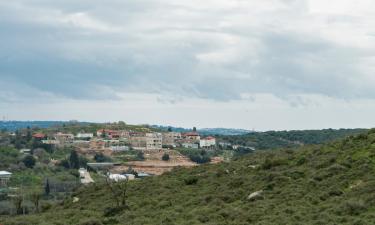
x,y
35,198
28,135
140,156
194,129
169,129
99,157
165,157
17,201
74,160
29,161
65,163
47,189
118,190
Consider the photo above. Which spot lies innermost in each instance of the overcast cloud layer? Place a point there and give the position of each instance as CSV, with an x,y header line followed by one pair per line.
x,y
303,52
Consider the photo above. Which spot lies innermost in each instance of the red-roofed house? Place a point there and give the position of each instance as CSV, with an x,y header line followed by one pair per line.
x,y
39,136
191,136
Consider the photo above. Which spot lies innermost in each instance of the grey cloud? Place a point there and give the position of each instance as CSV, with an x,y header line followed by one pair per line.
x,y
155,48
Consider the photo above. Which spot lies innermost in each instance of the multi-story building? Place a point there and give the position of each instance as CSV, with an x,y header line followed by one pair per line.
x,y
64,139
171,138
154,141
138,140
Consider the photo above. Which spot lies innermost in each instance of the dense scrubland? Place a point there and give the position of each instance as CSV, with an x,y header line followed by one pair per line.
x,y
332,183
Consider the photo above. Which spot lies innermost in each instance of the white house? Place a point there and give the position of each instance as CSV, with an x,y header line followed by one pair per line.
x,y
207,142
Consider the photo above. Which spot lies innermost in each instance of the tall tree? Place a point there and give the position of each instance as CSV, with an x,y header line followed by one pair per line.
x,y
47,188
74,160
28,134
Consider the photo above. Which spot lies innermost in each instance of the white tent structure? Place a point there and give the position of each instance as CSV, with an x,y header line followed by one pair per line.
x,y
4,177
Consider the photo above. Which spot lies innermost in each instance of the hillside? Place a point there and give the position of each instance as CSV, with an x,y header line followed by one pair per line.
x,y
287,139
329,184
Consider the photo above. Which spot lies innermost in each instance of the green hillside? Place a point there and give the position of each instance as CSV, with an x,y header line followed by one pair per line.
x,y
289,139
329,184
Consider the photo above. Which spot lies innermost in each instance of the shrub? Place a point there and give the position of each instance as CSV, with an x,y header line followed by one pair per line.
x,y
165,157
91,222
191,180
29,161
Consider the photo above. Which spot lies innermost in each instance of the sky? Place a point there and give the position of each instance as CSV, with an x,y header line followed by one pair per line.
x,y
252,64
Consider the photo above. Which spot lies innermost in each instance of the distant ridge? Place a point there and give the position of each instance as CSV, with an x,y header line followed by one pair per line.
x,y
207,131
15,125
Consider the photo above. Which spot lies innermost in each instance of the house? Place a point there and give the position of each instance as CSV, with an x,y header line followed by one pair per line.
x,y
39,136
207,142
171,138
108,133
189,144
194,136
64,139
154,141
85,135
4,178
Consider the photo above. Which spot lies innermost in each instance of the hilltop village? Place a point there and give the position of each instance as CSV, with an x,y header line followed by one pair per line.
x,y
107,141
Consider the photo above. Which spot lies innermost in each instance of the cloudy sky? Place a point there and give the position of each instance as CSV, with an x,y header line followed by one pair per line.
x,y
254,64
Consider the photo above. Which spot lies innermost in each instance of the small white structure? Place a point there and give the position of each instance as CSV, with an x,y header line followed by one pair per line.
x,y
120,148
130,176
50,142
25,151
85,135
255,195
4,177
85,176
117,177
190,145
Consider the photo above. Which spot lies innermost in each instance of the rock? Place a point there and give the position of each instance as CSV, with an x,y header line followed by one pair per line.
x,y
75,200
253,166
255,195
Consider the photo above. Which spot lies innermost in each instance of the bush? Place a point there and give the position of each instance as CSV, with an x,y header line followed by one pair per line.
x,y
165,157
91,222
29,161
191,180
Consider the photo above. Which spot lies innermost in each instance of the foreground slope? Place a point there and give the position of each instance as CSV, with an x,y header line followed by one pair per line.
x,y
330,184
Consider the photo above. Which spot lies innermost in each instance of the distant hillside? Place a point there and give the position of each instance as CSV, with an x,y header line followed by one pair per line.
x,y
329,184
283,139
16,125
207,131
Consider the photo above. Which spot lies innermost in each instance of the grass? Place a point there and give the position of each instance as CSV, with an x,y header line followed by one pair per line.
x,y
328,184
